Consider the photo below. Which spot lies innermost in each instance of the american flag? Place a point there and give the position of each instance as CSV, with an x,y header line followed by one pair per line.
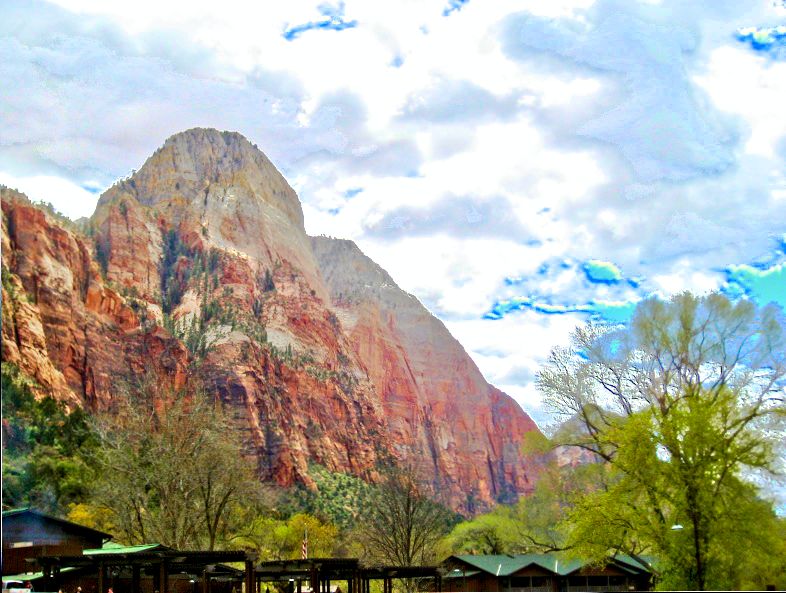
x,y
304,547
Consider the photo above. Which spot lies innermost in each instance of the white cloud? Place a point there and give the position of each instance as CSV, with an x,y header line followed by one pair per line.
x,y
503,139
751,86
68,198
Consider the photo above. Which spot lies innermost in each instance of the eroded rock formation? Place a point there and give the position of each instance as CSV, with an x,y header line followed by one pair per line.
x,y
200,263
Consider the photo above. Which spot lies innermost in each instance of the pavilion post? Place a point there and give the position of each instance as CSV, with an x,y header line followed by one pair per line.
x,y
135,580
164,577
250,577
101,576
205,581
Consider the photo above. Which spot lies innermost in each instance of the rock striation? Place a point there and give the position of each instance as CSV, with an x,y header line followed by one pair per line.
x,y
199,263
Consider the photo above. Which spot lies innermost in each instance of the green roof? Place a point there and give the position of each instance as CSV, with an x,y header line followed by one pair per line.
x,y
8,512
115,548
504,564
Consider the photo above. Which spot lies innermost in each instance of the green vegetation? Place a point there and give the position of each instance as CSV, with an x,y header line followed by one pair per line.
x,y
677,409
668,421
60,218
46,447
673,415
180,265
281,539
9,287
338,499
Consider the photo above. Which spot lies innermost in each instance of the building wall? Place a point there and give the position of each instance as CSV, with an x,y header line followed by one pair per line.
x,y
28,535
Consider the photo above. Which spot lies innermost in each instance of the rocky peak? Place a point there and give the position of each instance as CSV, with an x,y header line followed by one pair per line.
x,y
215,189
207,169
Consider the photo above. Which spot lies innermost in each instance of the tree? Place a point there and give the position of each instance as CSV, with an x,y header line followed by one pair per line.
x,y
45,447
492,533
172,470
402,526
534,523
280,539
678,408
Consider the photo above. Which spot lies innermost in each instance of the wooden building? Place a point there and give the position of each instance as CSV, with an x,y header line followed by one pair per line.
x,y
28,534
148,568
542,572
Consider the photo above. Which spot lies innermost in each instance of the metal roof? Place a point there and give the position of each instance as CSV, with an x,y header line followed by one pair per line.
x,y
115,548
506,564
177,559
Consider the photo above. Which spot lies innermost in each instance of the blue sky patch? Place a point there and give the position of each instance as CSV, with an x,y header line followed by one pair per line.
x,y
612,312
770,40
763,285
333,20
352,192
453,6
602,272
92,187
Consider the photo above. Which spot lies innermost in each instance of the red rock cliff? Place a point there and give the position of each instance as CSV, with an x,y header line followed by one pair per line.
x,y
206,263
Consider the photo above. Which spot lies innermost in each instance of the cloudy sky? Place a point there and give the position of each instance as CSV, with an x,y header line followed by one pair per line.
x,y
520,166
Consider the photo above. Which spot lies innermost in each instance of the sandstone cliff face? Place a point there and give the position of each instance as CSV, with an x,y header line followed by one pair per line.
x,y
209,270
464,433
61,324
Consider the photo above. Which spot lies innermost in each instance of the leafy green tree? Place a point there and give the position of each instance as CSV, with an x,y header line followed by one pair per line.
x,y
678,409
492,533
533,524
282,539
46,447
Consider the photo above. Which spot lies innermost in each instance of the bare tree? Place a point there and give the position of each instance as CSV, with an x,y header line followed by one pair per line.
x,y
171,468
402,526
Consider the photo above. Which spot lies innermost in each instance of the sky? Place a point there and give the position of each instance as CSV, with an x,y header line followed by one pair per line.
x,y
520,166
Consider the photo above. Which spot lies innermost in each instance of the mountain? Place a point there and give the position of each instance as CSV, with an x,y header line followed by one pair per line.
x,y
199,263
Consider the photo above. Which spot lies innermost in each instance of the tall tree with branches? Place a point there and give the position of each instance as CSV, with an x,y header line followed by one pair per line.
x,y
402,526
678,408
172,469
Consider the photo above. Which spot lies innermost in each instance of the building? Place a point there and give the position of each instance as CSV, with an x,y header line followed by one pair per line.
x,y
542,572
54,554
28,534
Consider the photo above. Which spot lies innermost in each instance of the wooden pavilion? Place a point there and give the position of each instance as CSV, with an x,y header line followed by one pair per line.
x,y
162,569
321,572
